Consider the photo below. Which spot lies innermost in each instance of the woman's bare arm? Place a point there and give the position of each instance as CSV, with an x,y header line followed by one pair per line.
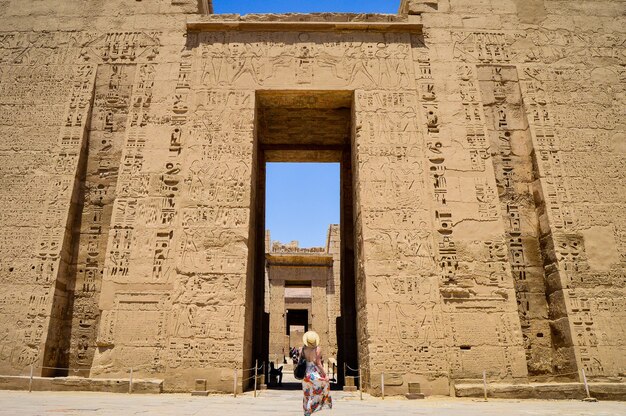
x,y
320,362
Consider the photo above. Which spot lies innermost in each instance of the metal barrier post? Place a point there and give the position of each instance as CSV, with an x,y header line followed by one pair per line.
x,y
588,398
586,385
235,384
256,368
30,381
130,382
360,384
485,384
382,384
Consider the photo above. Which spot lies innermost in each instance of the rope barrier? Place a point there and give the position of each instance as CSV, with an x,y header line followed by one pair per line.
x,y
252,368
351,369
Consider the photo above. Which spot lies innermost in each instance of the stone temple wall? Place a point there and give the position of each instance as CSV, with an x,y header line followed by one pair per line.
x,y
487,150
535,98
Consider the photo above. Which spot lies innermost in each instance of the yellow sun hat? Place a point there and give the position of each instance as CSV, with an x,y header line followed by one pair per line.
x,y
311,339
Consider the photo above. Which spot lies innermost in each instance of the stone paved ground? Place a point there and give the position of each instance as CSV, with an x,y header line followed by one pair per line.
x,y
284,403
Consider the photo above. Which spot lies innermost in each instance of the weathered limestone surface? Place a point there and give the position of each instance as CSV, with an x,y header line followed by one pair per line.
x,y
487,144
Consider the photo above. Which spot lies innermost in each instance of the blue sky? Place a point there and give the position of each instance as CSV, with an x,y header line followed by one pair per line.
x,y
300,6
302,199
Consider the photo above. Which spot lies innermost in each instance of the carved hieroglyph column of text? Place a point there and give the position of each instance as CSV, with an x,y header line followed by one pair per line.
x,y
174,292
399,294
482,324
42,131
512,151
109,121
579,151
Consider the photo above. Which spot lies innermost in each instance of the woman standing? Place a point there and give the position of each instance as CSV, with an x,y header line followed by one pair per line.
x,y
315,384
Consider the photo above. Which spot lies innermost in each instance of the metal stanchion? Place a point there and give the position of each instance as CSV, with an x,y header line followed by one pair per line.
x,y
485,384
382,384
586,385
235,383
30,381
588,398
256,365
130,382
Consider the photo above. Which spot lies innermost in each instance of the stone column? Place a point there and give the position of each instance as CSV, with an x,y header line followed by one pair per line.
x,y
333,289
277,318
319,309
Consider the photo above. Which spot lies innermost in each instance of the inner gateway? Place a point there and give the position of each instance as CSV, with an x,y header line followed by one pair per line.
x,y
305,126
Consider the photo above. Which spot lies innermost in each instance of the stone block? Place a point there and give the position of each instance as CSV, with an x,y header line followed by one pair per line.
x,y
419,6
200,388
414,387
415,392
140,386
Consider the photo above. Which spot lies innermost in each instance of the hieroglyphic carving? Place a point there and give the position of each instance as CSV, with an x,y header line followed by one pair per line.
x,y
394,217
510,143
33,248
182,217
468,286
564,171
122,47
33,50
436,159
182,201
238,59
71,147
546,46
213,224
108,126
476,141
547,147
482,47
598,326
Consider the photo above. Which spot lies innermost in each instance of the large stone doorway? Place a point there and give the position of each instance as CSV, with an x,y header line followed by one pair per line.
x,y
306,126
